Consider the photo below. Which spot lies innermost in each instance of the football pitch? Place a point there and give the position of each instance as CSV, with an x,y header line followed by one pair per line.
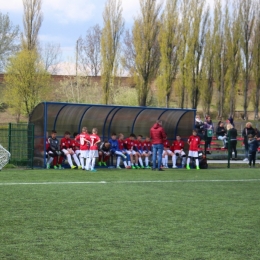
x,y
130,214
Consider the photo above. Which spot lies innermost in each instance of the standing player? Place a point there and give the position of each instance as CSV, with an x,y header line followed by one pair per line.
x,y
177,150
93,150
75,145
194,142
84,140
67,149
147,147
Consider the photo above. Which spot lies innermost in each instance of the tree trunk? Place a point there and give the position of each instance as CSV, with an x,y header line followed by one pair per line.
x,y
246,97
232,99
257,102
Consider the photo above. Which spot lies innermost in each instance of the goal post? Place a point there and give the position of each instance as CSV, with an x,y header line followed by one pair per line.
x,y
4,157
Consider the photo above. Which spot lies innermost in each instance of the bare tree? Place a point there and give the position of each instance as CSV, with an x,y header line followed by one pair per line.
x,y
51,57
32,21
8,39
89,51
129,54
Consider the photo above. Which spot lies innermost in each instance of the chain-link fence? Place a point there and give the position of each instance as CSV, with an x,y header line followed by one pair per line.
x,y
18,139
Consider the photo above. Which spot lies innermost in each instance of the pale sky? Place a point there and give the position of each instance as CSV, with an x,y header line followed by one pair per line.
x,y
66,20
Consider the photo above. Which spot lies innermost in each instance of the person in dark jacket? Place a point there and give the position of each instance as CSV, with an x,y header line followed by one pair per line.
x,y
54,147
104,153
232,141
221,133
208,127
252,149
158,135
248,130
257,135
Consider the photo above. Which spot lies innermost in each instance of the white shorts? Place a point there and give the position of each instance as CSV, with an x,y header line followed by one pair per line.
x,y
181,153
131,152
147,153
167,152
84,153
194,154
93,153
67,151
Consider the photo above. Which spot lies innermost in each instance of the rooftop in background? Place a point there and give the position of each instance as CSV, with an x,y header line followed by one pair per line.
x,y
126,81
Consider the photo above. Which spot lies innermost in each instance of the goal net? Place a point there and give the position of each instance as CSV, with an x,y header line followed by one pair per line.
x,y
4,157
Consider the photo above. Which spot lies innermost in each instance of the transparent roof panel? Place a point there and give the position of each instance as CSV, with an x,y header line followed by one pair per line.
x,y
144,121
68,119
185,125
38,119
96,117
123,121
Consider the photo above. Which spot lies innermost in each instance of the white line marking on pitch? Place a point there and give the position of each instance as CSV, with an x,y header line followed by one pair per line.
x,y
123,182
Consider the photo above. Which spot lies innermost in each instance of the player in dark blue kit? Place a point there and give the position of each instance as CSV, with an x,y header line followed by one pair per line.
x,y
114,149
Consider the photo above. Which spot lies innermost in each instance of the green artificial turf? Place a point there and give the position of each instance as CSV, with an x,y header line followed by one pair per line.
x,y
130,214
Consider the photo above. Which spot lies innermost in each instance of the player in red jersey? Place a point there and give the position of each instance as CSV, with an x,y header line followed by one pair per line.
x,y
121,146
177,150
130,148
83,139
139,151
194,142
166,153
147,147
93,150
75,145
66,145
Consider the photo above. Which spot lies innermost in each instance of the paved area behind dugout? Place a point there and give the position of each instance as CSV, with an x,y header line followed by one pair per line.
x,y
231,161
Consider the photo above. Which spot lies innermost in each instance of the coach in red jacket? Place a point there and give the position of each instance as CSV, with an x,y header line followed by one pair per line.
x,y
157,134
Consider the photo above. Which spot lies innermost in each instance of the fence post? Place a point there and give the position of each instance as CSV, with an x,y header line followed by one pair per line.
x,y
32,152
229,149
9,137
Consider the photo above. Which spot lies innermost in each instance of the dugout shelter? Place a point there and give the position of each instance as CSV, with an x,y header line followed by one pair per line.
x,y
107,119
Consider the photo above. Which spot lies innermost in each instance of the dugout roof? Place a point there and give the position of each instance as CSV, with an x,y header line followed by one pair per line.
x,y
107,119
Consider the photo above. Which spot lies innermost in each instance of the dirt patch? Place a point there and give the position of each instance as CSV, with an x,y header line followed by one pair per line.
x,y
6,117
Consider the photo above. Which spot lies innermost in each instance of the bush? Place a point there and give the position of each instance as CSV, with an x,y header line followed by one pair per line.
x,y
10,166
3,107
126,97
